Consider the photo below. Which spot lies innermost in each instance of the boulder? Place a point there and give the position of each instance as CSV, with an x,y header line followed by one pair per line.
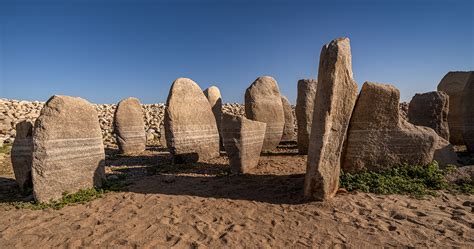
x,y
213,95
289,127
68,152
468,114
129,126
263,104
334,101
430,110
453,84
379,139
190,125
445,154
304,112
22,154
243,141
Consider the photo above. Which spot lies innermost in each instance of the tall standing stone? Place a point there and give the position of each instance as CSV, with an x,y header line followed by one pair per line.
x,y
304,112
68,152
468,113
263,104
213,95
289,127
129,126
22,154
335,98
190,125
243,140
379,139
453,84
430,110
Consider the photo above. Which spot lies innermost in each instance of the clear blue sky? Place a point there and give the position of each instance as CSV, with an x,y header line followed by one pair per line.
x,y
106,50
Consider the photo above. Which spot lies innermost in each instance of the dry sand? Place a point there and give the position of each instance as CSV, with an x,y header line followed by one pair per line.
x,y
198,205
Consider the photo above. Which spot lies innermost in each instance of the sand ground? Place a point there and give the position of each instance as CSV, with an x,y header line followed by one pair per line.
x,y
200,205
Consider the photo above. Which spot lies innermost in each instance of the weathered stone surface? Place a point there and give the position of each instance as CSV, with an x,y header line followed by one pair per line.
x,y
163,137
379,139
190,125
453,84
445,154
430,110
243,141
335,98
289,127
22,154
68,152
129,126
213,95
468,114
263,104
304,112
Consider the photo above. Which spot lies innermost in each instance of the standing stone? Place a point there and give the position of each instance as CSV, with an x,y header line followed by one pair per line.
x,y
163,136
22,154
243,141
335,98
263,104
453,84
430,110
190,125
304,112
379,139
68,152
289,127
468,114
129,126
213,95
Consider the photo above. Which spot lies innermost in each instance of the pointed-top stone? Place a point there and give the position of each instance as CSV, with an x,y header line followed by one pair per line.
x,y
263,104
335,98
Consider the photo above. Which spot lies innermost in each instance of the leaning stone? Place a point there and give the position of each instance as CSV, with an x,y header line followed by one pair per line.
x,y
379,139
468,114
304,112
263,104
335,98
453,84
68,152
190,125
289,127
243,140
213,95
430,110
129,126
22,154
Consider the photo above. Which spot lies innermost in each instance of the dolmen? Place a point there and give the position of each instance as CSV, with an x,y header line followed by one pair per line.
x,y
68,153
22,154
378,138
263,104
453,84
468,113
129,126
190,125
243,141
213,95
334,101
431,110
304,112
289,126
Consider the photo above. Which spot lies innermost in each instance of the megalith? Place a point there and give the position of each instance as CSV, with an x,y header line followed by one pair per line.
x,y
190,126
379,139
243,141
304,112
431,110
289,127
468,114
22,154
334,101
213,95
68,153
263,104
129,126
453,84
